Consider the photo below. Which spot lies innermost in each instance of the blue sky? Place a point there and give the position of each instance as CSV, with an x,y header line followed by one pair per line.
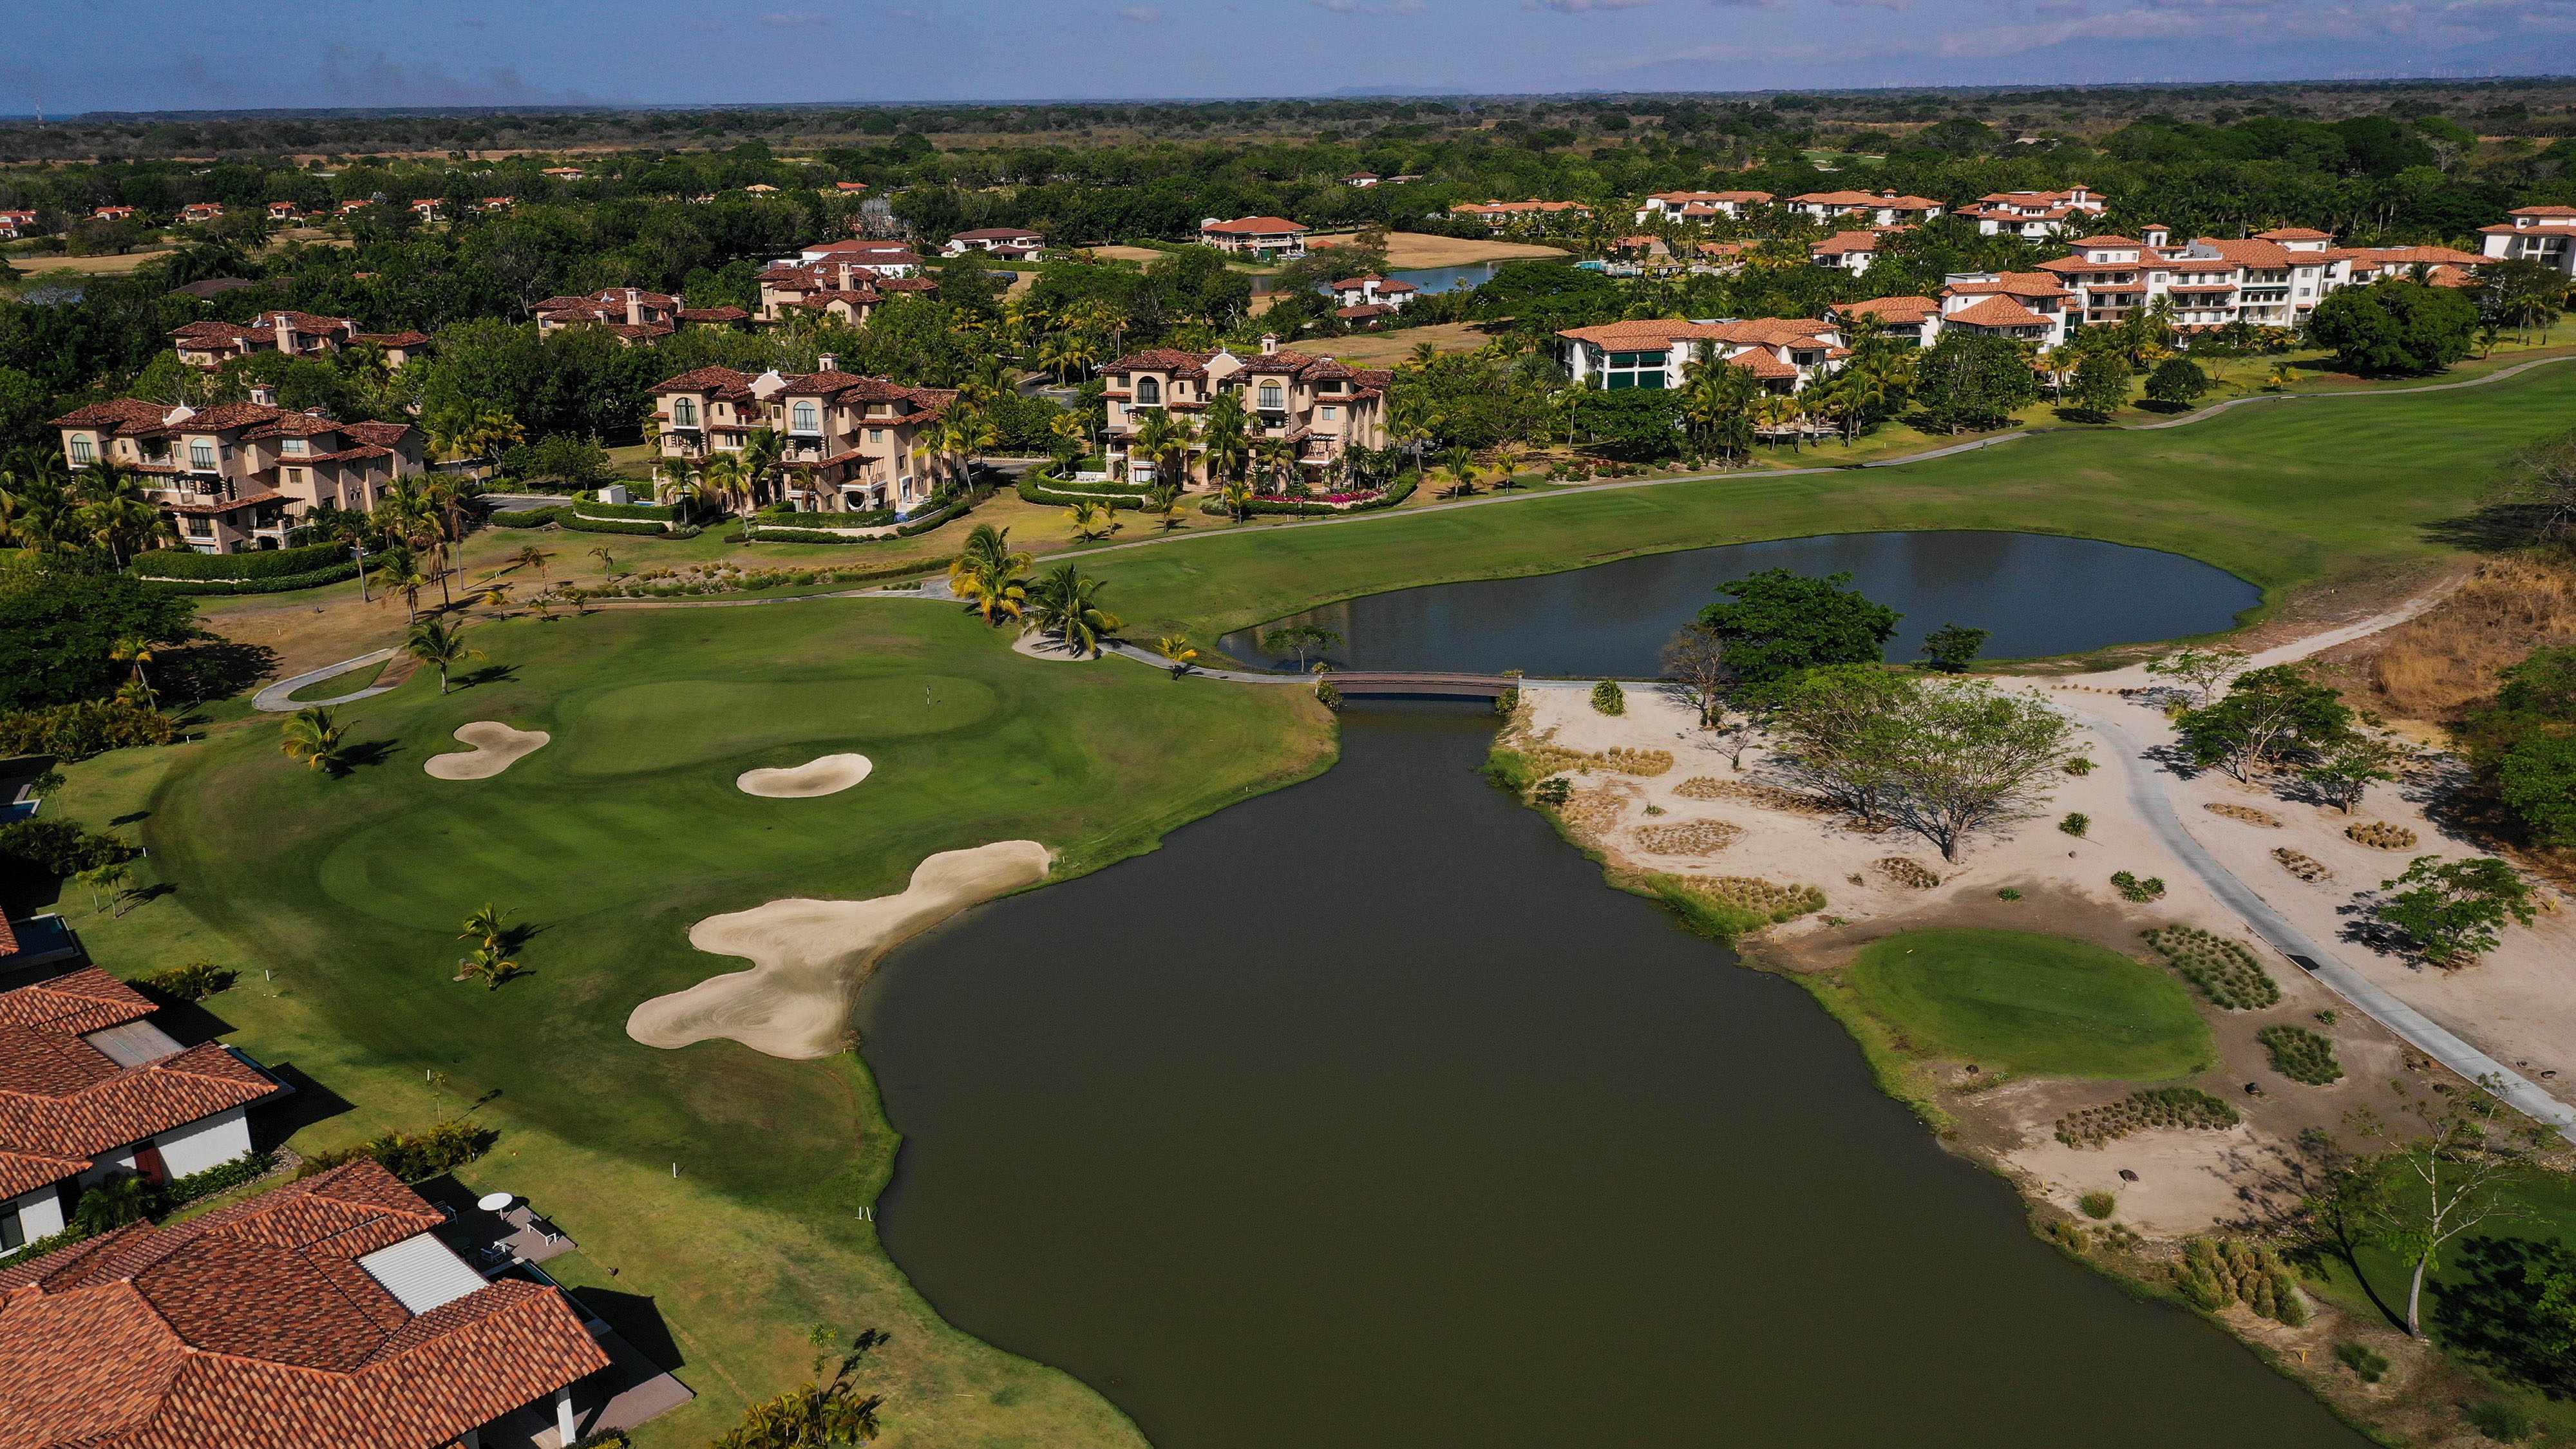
x,y
75,55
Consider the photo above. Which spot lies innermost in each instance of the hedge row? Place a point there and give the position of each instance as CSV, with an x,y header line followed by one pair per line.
x,y
566,518
592,508
337,573
1398,491
757,534
924,525
272,563
1035,492
525,518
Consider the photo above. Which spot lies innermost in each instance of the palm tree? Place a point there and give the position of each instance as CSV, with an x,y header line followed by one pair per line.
x,y
533,557
1067,605
1224,438
107,876
987,574
435,642
1277,459
1087,515
1164,441
411,584
1461,463
1176,648
496,597
486,963
760,453
486,925
314,737
1165,505
135,650
1237,497
607,560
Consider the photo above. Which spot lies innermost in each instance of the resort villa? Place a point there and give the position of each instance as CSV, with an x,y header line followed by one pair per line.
x,y
91,1089
1257,236
849,439
1007,242
1880,209
1782,353
1700,206
1500,214
327,1312
1359,299
2035,214
1318,407
234,477
2544,234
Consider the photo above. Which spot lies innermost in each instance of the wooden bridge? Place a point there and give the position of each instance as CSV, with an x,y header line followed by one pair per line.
x,y
1469,686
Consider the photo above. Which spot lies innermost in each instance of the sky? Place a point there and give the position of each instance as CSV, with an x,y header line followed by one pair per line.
x,y
66,56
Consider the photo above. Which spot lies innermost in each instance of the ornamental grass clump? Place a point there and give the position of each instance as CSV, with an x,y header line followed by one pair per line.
x,y
2179,1107
1647,763
2306,867
2246,813
2213,1275
1763,898
1904,872
1609,698
2300,1054
1688,837
2380,835
2099,1205
2134,889
2224,971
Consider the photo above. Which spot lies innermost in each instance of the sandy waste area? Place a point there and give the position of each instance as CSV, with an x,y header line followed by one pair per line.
x,y
809,955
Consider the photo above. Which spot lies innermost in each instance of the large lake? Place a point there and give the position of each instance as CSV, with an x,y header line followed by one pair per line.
x,y
1363,1114
2040,595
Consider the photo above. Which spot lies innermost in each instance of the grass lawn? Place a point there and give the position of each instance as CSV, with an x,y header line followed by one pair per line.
x,y
2284,495
610,842
2016,1002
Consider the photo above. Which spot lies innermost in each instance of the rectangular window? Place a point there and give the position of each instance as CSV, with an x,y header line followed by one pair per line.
x,y
294,475
82,452
1332,414
13,1233
296,446
876,435
201,454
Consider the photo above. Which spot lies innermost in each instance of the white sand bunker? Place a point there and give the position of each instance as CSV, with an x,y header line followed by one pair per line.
x,y
808,955
1037,645
496,748
825,775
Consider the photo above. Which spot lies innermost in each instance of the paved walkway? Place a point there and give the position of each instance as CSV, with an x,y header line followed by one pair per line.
x,y
274,698
2148,796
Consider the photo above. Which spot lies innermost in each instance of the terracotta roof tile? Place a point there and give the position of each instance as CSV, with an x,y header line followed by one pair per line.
x,y
1997,311
85,1001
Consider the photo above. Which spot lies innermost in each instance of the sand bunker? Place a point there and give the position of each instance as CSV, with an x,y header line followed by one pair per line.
x,y
824,775
496,748
807,955
1037,645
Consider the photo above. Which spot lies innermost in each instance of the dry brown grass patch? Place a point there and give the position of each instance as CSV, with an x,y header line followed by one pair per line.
x,y
1768,797
2380,835
1590,814
1752,893
2306,867
2436,665
1648,763
1904,872
1689,837
2246,813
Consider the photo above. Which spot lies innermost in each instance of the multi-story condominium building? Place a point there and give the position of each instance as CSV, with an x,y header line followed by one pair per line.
x,y
1879,209
1700,206
1260,236
889,259
848,441
2535,234
2035,214
1500,214
2270,279
2025,306
1320,406
840,290
239,476
1912,320
1783,352
1007,242
630,314
1850,251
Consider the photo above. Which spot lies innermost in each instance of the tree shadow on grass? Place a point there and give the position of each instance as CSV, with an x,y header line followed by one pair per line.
x,y
488,674
2492,528
2489,1311
362,755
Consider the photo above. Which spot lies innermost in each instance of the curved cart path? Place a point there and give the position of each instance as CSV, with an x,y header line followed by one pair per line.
x,y
274,699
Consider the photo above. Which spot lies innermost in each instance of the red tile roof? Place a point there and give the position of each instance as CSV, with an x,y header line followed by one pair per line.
x,y
1997,311
1844,242
1891,309
254,1325
82,1002
2294,233
1253,226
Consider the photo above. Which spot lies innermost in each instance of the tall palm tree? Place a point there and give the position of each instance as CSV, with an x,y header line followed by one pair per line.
x,y
314,737
1225,441
1277,460
1067,605
987,573
411,584
760,453
1164,440
532,557
136,650
435,642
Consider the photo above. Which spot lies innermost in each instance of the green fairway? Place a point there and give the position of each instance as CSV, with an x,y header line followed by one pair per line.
x,y
2313,492
2015,1002
610,842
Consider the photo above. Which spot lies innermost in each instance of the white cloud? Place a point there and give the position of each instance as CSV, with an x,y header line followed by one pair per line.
x,y
794,19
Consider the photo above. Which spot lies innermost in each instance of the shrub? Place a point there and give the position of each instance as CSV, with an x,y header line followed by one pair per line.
x,y
1609,698
79,730
2380,835
1553,792
337,573
2079,766
2212,1275
802,535
59,848
2076,822
274,563
2300,1054
2007,894
2502,1420
217,1178
2140,891
579,524
2371,1366
1328,695
527,518
593,508
444,1147
1768,901
2099,1205
2224,971
2185,1107
193,982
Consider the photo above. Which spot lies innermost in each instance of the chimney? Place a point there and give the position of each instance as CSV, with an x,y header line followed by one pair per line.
x,y
828,362
285,332
1269,343
846,269
634,308
264,395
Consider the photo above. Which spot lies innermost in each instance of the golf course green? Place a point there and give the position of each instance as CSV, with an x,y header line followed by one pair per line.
x,y
2015,1002
340,898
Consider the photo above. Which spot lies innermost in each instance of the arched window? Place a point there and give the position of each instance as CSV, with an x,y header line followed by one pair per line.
x,y
806,419
1272,399
1149,393
684,412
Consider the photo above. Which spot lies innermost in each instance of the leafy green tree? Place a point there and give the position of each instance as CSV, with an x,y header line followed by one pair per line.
x,y
1952,647
2537,781
1783,622
2268,716
1300,640
1973,381
2395,327
2101,382
2177,380
60,626
2454,908
2346,769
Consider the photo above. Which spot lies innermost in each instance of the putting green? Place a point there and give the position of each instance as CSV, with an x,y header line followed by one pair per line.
x,y
2041,1005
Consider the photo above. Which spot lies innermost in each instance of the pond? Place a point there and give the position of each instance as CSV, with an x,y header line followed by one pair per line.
x,y
1446,279
1458,1147
2038,593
